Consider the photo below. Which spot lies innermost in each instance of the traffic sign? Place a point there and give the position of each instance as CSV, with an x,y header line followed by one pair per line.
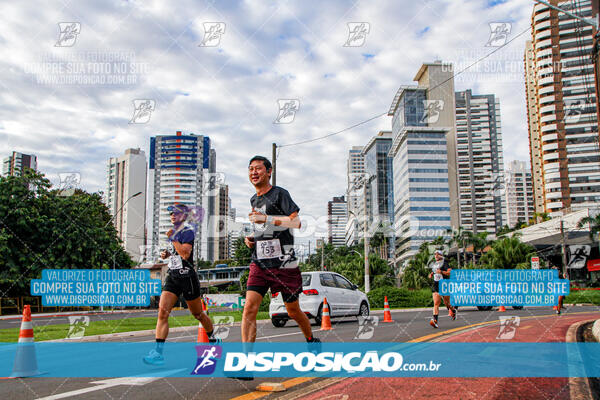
x,y
535,263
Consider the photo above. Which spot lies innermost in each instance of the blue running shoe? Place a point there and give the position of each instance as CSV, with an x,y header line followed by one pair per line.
x,y
214,340
154,358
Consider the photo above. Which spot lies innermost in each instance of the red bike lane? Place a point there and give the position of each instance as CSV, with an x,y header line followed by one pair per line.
x,y
530,329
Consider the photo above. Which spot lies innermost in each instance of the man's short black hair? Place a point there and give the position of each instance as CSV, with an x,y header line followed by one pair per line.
x,y
265,161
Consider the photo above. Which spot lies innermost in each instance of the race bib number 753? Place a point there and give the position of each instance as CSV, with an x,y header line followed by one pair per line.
x,y
268,249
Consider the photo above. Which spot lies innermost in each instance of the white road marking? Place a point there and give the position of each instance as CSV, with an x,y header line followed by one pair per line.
x,y
108,383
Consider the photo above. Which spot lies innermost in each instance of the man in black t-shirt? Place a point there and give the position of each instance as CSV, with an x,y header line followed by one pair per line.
x,y
274,263
439,270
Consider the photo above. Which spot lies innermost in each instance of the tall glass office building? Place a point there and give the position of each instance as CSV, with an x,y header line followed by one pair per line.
x,y
420,171
378,166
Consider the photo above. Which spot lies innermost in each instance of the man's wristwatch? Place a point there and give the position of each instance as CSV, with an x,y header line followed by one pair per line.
x,y
270,219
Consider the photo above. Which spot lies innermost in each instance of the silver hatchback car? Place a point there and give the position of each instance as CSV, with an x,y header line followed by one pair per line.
x,y
343,298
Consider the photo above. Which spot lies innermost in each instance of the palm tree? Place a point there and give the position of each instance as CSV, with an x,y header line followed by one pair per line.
x,y
508,253
416,273
594,223
456,238
480,242
539,217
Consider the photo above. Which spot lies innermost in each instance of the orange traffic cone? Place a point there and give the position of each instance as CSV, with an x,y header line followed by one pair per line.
x,y
387,315
202,335
555,308
325,318
25,360
501,309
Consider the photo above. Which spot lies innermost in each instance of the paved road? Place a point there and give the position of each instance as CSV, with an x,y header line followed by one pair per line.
x,y
407,326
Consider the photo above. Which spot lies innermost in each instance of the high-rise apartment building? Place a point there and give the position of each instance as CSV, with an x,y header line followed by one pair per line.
x,y
181,170
518,193
420,169
219,223
480,162
126,199
337,218
236,230
15,164
354,194
561,101
535,142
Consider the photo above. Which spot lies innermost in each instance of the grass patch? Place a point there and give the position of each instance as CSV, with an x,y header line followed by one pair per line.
x,y
583,296
60,331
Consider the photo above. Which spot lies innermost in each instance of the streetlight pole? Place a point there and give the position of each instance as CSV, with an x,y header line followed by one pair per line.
x,y
363,182
366,240
120,208
109,221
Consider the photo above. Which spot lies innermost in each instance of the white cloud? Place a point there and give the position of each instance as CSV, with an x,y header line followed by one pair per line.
x,y
269,51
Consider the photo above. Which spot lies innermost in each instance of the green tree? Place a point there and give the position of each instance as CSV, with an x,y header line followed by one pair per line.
x,y
203,264
504,230
241,254
39,229
594,223
416,273
539,217
460,237
479,243
508,253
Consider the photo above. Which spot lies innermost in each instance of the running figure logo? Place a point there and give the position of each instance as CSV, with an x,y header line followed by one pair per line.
x,y
212,34
287,110
499,32
68,34
207,359
357,34
573,110
508,327
222,324
432,110
69,181
77,325
142,111
366,327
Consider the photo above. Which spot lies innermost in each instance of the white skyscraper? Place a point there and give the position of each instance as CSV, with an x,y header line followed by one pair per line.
x,y
480,162
355,172
337,217
126,177
518,193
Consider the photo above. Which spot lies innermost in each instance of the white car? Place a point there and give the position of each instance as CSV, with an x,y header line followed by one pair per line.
x,y
343,298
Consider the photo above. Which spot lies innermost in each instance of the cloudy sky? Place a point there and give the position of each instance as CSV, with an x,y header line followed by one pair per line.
x,y
69,99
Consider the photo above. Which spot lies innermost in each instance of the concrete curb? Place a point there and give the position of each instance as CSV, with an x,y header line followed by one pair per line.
x,y
596,330
69,313
579,387
124,335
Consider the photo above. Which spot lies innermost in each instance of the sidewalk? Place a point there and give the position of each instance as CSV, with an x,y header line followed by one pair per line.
x,y
537,329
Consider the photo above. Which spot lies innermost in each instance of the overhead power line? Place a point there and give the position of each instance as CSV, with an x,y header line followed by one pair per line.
x,y
382,114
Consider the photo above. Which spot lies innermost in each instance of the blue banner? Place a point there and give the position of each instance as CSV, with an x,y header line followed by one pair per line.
x,y
95,287
504,287
117,359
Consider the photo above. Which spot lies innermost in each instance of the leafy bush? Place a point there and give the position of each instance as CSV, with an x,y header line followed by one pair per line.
x,y
400,297
266,301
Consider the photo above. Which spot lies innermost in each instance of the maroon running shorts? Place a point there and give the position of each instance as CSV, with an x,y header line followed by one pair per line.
x,y
288,281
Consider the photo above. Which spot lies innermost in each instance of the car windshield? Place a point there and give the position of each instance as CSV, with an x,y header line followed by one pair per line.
x,y
305,279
